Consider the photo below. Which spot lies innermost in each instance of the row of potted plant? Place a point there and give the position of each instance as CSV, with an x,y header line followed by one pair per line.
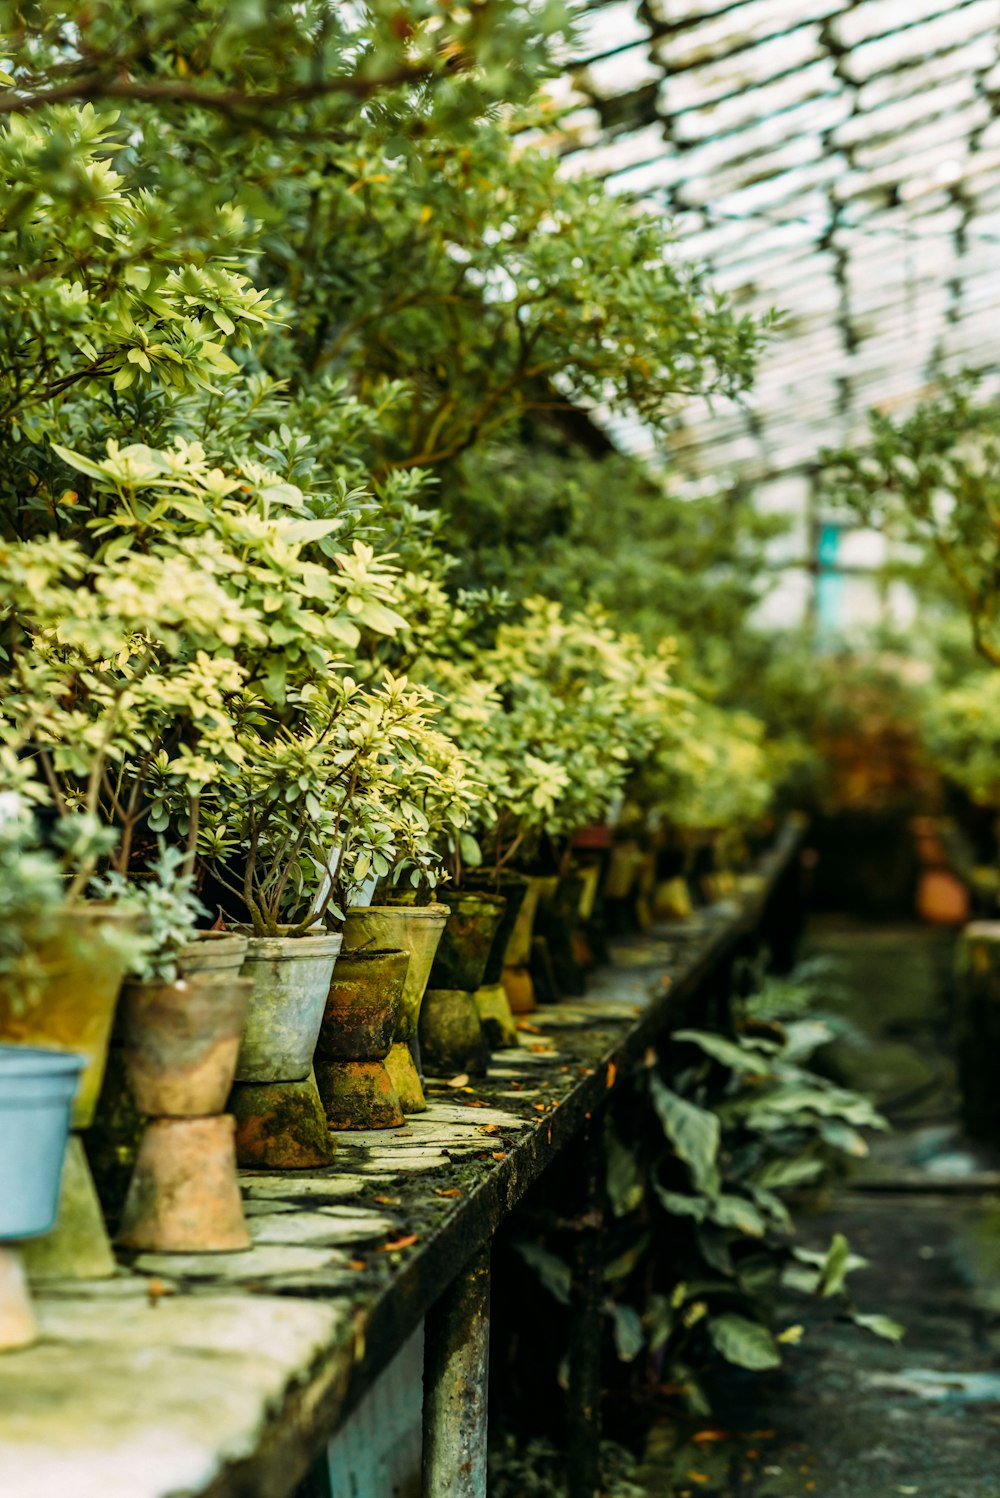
x,y
182,682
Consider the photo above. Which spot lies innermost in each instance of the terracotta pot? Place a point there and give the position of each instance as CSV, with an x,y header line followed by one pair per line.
x,y
942,898
451,1034
291,980
519,986
18,1327
184,1196
181,1042
215,952
362,1012
362,1007
358,1095
280,1125
415,929
84,962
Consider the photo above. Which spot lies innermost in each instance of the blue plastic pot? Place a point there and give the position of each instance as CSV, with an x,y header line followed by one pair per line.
x,y
37,1088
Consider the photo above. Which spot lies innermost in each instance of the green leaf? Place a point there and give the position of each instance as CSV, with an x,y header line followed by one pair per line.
x,y
881,1326
738,1056
835,1266
693,1132
309,530
553,1272
735,1212
746,1343
628,1332
677,1204
777,1175
623,1176
623,1265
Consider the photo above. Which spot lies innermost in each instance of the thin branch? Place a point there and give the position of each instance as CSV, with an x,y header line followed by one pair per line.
x,y
226,101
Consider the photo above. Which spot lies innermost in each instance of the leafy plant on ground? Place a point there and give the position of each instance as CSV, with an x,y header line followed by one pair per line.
x,y
718,1131
537,1470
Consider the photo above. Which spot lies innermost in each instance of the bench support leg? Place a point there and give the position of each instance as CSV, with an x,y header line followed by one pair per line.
x,y
456,1377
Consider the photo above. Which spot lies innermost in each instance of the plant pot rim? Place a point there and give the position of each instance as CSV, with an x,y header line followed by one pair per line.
x,y
326,939
365,954
434,912
480,896
195,980
106,910
37,1061
233,935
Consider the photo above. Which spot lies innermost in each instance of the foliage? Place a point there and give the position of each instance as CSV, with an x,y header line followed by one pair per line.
x,y
555,711
699,1245
254,63
170,909
537,1468
263,267
960,729
360,784
32,894
539,515
931,480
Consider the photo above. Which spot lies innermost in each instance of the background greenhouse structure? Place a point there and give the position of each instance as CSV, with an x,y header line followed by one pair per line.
x,y
837,162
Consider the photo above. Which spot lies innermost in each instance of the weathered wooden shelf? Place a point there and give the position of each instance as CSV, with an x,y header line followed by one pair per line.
x,y
222,1376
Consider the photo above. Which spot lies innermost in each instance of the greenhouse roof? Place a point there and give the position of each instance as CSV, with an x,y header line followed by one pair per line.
x,y
838,160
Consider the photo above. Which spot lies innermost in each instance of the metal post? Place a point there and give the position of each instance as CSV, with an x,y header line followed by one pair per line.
x,y
456,1376
583,1415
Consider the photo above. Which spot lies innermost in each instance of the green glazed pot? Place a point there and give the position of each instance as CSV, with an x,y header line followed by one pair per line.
x,y
84,962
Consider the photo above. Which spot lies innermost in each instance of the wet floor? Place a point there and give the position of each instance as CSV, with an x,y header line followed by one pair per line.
x,y
851,1416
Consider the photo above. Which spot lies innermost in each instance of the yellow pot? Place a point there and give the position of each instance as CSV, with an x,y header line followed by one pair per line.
x,y
73,1009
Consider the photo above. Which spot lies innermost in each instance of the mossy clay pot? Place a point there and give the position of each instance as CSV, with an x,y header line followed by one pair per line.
x,y
467,940
84,961
557,920
181,1041
362,1007
184,1196
451,1034
415,929
281,1125
291,979
362,1013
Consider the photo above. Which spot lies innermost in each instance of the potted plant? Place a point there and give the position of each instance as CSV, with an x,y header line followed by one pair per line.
x,y
555,710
